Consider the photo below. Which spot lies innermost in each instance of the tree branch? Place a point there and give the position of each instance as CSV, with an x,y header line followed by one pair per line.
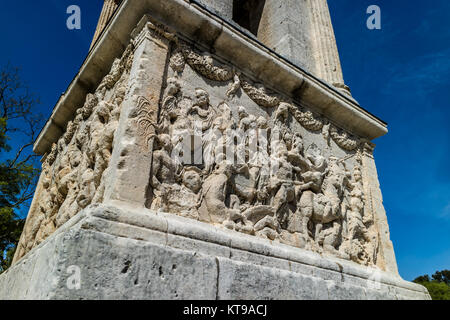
x,y
13,162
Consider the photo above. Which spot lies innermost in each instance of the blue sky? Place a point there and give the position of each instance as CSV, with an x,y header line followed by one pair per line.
x,y
399,73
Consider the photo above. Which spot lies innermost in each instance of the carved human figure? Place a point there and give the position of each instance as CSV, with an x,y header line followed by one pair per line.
x,y
251,141
105,143
282,184
201,112
87,189
216,139
227,127
213,145
70,132
164,170
184,198
313,172
181,131
357,231
97,153
261,157
192,179
88,107
355,224
243,127
236,220
202,108
295,155
332,189
70,183
246,180
79,190
60,170
244,120
327,210
169,108
110,79
281,133
45,200
214,195
82,137
262,161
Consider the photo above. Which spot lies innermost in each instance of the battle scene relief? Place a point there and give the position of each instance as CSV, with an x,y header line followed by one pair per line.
x,y
225,150
230,152
74,171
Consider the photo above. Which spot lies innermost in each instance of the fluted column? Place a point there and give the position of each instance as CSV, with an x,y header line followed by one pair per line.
x,y
325,51
285,28
109,6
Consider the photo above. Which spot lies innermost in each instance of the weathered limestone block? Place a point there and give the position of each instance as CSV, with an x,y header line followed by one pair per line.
x,y
124,253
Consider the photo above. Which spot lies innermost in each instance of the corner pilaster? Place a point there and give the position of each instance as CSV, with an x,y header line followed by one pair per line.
x,y
386,255
132,156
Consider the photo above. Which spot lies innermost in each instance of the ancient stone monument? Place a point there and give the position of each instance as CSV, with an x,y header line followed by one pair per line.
x,y
208,150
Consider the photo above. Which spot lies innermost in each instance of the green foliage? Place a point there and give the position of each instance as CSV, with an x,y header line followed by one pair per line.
x,y
13,179
3,137
439,286
442,276
437,290
18,165
425,278
10,230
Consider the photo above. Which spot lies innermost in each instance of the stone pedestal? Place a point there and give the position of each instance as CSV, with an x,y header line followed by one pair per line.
x,y
125,253
196,163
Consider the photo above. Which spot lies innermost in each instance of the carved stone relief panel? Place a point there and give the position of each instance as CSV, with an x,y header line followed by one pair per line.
x,y
233,153
73,173
225,150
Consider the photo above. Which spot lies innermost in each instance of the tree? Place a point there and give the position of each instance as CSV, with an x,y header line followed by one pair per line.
x,y
425,278
437,290
442,276
439,286
19,166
